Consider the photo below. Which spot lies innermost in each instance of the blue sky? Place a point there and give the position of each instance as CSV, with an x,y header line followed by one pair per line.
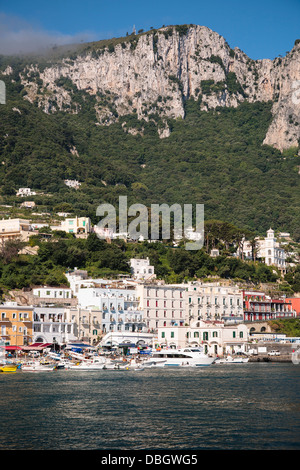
x,y
261,28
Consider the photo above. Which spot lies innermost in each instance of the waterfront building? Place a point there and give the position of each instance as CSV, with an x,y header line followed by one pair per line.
x,y
118,303
259,306
16,324
163,305
53,325
214,301
87,323
215,337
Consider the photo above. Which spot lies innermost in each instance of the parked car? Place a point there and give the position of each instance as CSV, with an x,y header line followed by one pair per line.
x,y
274,353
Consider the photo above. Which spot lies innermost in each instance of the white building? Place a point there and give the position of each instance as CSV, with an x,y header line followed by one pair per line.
x,y
163,305
267,249
76,225
141,269
52,293
120,306
52,324
25,192
271,251
214,301
216,338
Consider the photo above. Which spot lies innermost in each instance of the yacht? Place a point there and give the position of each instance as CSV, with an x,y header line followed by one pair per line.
x,y
185,357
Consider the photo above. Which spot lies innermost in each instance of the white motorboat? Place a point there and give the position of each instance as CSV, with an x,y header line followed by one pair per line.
x,y
36,366
88,365
232,360
185,357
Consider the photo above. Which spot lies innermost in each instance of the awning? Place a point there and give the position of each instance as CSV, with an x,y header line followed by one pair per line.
x,y
36,346
79,346
13,348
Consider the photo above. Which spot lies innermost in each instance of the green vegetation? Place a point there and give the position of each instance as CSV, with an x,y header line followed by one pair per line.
x,y
64,252
290,327
215,158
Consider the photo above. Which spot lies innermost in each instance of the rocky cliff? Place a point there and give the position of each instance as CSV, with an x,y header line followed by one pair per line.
x,y
154,73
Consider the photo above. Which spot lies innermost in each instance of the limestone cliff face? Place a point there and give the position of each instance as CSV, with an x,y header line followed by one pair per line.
x,y
155,72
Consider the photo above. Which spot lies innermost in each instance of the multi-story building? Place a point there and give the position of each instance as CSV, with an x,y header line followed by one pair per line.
x,y
76,225
266,249
258,306
214,301
141,269
215,337
16,324
119,306
88,323
53,325
163,305
271,251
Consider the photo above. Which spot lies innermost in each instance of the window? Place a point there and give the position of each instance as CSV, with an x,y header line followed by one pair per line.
x,y
196,334
241,334
172,334
234,334
205,336
163,334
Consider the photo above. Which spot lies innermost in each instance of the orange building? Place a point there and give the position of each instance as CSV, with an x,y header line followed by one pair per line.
x,y
295,301
16,324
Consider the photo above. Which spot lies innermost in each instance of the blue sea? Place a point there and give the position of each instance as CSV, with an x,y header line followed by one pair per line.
x,y
253,406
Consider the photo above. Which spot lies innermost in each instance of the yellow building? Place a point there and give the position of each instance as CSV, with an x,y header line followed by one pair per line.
x,y
16,324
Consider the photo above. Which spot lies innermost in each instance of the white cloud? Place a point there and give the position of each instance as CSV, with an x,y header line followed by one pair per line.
x,y
18,36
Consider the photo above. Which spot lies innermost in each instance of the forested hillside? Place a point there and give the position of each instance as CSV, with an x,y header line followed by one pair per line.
x,y
215,158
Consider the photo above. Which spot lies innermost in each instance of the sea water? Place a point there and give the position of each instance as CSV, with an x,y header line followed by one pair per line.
x,y
253,406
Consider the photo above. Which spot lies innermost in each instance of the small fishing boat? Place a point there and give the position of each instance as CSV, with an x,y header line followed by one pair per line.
x,y
8,368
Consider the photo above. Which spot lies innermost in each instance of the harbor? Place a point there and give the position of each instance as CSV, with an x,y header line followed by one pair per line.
x,y
78,357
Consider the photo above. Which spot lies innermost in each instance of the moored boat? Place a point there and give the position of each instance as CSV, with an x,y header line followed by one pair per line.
x,y
232,360
36,366
185,357
8,368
